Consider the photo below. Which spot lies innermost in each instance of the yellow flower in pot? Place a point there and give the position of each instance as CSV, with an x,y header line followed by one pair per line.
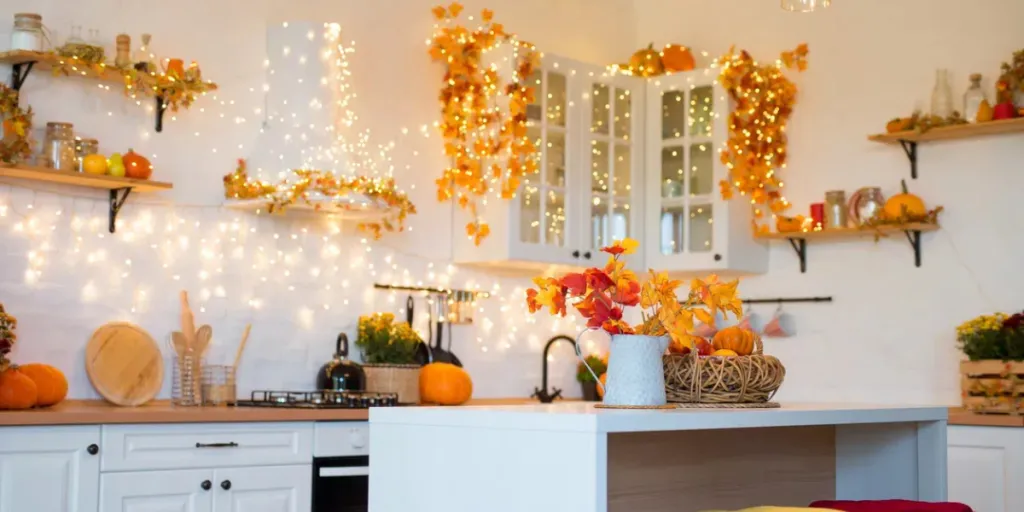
x,y
389,356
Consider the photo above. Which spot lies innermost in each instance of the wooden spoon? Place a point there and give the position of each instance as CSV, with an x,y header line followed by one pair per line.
x,y
202,342
241,346
180,343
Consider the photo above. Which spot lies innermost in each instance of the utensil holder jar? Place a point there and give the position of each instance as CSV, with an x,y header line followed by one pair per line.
x,y
186,387
218,385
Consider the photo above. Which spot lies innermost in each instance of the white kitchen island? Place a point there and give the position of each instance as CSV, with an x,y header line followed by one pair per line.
x,y
572,457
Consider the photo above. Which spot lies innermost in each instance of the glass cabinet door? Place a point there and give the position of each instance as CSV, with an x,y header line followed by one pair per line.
x,y
543,199
612,156
682,160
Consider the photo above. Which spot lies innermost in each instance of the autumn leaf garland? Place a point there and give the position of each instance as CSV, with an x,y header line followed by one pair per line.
x,y
488,147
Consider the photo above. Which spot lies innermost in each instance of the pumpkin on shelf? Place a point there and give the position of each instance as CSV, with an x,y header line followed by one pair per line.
x,y
905,205
137,166
646,62
17,390
900,124
445,384
785,224
677,58
735,339
51,385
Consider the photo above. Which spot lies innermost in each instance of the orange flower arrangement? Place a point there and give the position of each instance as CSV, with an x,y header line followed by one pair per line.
x,y
756,147
488,147
602,294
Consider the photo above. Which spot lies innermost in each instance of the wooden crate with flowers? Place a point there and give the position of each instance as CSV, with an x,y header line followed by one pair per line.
x,y
992,379
389,356
642,373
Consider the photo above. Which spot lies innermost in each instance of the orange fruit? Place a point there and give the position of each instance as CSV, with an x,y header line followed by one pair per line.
x,y
95,164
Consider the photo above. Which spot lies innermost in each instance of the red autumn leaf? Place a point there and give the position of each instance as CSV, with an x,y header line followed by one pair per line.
x,y
598,280
575,283
627,293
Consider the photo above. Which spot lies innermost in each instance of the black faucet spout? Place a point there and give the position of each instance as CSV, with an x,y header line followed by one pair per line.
x,y
541,393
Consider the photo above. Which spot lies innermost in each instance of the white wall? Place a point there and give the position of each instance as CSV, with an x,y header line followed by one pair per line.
x,y
294,330
889,335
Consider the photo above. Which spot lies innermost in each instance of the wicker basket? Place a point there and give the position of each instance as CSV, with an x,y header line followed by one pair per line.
x,y
723,380
403,379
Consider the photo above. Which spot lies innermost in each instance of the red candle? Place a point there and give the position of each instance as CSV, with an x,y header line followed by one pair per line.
x,y
818,214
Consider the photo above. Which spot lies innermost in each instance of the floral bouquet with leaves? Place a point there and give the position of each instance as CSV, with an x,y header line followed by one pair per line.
x,y
384,341
997,336
602,294
7,337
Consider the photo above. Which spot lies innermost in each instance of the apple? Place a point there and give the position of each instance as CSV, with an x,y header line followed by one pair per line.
x,y
115,166
1004,111
704,348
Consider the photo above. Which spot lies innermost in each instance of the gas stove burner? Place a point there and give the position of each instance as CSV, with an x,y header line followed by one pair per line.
x,y
319,399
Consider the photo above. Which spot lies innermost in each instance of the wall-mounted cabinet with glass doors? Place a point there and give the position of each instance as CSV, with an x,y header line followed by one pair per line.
x,y
621,157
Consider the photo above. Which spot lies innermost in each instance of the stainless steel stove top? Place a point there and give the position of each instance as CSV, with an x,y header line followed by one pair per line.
x,y
319,399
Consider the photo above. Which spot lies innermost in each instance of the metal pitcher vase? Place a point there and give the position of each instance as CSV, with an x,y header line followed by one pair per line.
x,y
636,376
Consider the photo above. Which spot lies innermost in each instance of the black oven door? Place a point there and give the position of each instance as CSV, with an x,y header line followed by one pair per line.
x,y
341,484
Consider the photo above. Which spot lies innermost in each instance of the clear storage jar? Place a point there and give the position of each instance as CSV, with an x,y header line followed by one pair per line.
x,y
58,151
28,32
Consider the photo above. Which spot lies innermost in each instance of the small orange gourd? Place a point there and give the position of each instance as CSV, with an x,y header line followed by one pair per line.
x,y
646,62
445,384
740,341
904,205
137,166
51,385
17,391
677,58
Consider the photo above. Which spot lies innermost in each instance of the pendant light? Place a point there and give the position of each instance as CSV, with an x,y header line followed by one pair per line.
x,y
805,5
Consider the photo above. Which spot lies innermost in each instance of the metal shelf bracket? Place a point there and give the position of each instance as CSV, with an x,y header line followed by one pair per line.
x,y
914,237
115,205
19,72
800,246
910,148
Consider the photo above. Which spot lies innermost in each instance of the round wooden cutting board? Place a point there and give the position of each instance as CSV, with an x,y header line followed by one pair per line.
x,y
124,364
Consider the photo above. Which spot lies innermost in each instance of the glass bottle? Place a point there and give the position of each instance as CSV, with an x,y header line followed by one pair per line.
x,y
942,96
28,32
59,147
973,98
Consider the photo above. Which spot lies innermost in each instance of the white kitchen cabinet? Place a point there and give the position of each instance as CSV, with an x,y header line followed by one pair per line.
x,y
587,126
986,466
186,490
264,489
52,469
689,227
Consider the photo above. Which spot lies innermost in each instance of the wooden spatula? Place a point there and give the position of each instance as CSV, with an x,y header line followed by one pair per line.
x,y
188,322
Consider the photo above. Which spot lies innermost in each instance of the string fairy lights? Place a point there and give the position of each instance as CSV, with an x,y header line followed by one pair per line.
x,y
489,148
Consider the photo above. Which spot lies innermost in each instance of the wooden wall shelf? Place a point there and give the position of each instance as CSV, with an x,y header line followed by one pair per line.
x,y
119,188
367,214
798,239
910,139
23,62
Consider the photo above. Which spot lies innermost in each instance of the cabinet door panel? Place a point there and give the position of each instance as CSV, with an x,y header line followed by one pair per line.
x,y
264,489
48,468
157,491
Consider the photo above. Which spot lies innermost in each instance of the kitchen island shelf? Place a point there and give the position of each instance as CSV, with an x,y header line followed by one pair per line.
x,y
909,139
23,62
119,188
799,239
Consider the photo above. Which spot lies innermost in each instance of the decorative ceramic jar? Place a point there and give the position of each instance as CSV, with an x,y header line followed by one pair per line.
x,y
635,376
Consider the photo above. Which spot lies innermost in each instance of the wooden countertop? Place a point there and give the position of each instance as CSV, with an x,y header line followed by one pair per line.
x,y
94,412
958,416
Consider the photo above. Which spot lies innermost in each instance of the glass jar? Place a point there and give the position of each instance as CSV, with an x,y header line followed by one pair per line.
x,y
28,32
123,58
58,150
866,205
942,96
973,98
84,148
835,209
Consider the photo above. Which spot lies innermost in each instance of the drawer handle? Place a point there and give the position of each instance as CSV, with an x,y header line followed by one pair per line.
x,y
206,485
226,485
217,445
93,449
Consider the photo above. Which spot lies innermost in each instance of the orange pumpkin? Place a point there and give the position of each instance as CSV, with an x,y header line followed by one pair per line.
x,y
740,341
50,382
676,58
604,382
785,224
445,384
900,124
17,391
136,166
646,62
901,206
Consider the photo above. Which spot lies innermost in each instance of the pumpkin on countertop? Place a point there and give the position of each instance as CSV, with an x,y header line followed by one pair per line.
x,y
646,62
50,382
17,391
736,339
904,205
677,58
445,384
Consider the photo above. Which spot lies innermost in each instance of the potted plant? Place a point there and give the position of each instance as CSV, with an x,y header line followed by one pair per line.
x,y
994,346
389,356
586,380
635,376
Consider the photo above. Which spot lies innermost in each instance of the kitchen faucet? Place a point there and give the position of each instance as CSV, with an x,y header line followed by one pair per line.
x,y
542,392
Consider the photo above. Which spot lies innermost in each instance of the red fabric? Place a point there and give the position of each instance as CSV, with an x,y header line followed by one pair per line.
x,y
892,506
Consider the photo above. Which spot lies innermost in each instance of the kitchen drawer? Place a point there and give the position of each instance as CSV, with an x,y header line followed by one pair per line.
x,y
204,445
341,439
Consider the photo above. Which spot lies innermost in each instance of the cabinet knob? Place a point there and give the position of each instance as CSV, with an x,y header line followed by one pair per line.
x,y
206,485
586,255
93,449
226,485
575,254
718,257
